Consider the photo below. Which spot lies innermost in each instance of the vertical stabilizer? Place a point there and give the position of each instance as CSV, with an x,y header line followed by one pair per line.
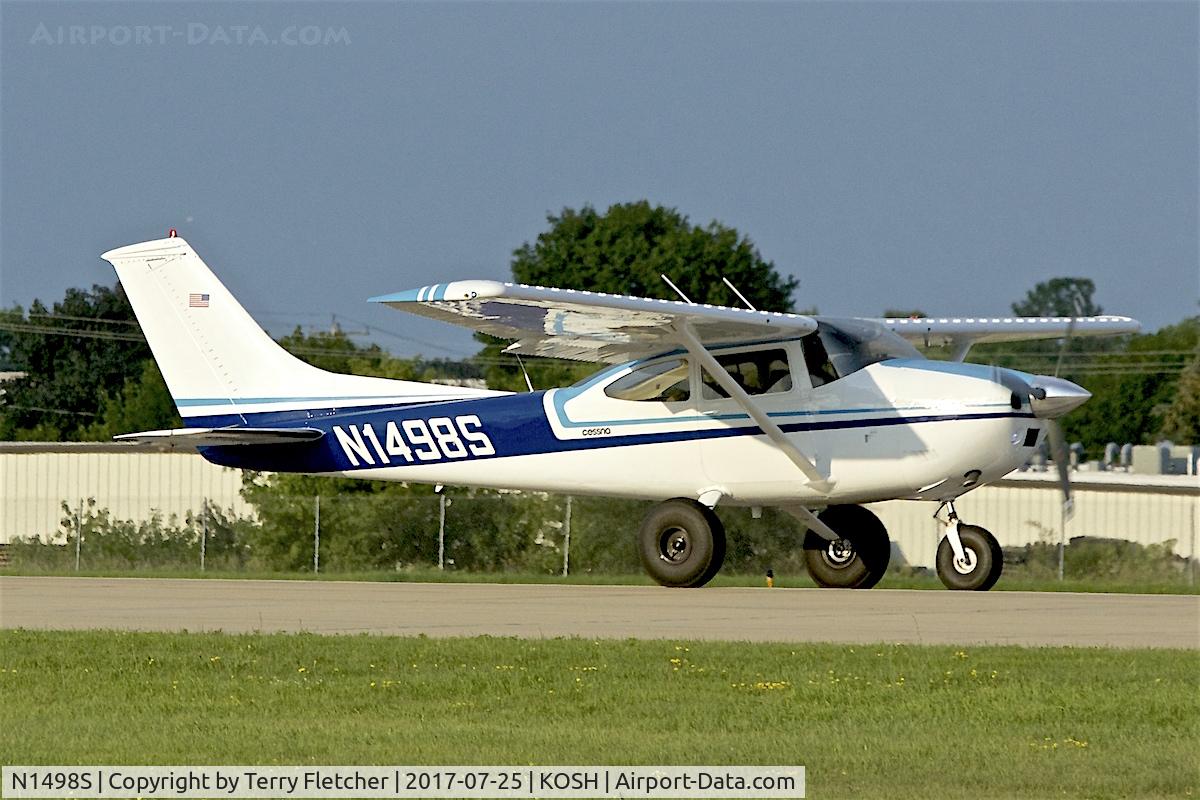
x,y
215,358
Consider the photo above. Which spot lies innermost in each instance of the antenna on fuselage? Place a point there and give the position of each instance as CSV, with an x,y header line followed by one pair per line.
x,y
512,348
741,296
678,291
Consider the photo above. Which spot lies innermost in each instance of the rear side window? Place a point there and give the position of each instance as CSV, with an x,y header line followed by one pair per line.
x,y
758,372
663,382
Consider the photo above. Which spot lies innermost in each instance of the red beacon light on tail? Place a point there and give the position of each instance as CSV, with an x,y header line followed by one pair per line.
x,y
171,234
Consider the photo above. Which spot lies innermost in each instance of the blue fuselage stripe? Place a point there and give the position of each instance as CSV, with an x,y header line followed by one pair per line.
x,y
516,425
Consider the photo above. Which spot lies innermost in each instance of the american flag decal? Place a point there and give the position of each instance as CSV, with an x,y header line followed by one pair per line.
x,y
197,300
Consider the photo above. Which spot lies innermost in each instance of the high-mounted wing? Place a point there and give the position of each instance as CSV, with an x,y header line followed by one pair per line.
x,y
977,330
587,326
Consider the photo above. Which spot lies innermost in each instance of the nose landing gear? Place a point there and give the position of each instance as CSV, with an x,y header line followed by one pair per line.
x,y
968,557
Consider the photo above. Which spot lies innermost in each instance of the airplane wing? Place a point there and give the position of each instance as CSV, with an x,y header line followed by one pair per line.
x,y
216,437
587,326
965,331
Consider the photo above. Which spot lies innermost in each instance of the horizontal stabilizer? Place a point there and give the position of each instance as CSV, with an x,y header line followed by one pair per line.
x,y
219,437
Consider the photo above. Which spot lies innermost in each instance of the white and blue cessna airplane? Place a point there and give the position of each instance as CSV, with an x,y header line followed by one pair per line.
x,y
701,406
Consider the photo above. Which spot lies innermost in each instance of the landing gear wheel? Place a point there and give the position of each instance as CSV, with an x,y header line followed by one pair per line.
x,y
982,560
681,543
856,561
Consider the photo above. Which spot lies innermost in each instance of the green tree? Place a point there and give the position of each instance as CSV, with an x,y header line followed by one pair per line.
x,y
330,350
624,250
381,525
1059,297
1135,380
364,524
1133,385
87,372
143,403
1181,422
72,355
337,352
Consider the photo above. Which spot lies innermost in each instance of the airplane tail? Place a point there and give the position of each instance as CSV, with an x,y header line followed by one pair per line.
x,y
219,365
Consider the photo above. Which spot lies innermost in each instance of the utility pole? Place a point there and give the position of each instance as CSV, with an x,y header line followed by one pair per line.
x,y
203,531
78,532
441,527
567,538
316,534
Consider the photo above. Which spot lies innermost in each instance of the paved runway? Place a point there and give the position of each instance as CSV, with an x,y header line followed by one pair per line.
x,y
743,614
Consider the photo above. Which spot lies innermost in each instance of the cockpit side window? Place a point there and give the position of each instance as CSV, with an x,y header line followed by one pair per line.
x,y
757,371
836,350
662,381
820,367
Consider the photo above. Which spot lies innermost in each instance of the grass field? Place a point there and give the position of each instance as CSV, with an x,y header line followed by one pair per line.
x,y
890,581
867,721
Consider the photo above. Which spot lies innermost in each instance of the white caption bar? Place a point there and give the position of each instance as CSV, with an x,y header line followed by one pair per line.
x,y
402,782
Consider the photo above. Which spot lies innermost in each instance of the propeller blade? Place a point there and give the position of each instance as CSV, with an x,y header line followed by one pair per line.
x,y
1066,399
1062,463
1066,342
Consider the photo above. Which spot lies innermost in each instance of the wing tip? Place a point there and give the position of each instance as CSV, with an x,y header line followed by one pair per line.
x,y
454,291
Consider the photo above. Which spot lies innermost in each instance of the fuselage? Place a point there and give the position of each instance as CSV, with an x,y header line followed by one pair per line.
x,y
897,428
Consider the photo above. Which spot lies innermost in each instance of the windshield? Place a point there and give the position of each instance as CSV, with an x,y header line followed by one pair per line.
x,y
841,347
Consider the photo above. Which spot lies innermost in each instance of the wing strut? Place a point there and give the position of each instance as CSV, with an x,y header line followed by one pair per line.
x,y
813,523
817,481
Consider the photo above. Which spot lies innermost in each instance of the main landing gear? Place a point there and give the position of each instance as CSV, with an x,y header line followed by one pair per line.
x,y
968,557
858,559
682,543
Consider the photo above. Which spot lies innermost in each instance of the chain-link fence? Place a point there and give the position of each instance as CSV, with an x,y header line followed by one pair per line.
x,y
493,533
475,532
96,507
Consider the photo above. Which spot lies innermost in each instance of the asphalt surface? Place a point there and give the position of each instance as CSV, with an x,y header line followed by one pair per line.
x,y
739,614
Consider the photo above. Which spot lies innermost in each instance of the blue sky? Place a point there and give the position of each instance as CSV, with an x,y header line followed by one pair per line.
x,y
945,156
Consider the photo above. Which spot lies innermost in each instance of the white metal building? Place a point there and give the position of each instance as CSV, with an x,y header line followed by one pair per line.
x,y
1026,507
133,482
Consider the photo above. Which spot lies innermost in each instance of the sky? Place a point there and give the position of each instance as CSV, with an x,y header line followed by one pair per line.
x,y
945,156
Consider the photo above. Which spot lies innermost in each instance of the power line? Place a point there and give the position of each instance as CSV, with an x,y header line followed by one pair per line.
x,y
374,328
78,333
31,315
66,411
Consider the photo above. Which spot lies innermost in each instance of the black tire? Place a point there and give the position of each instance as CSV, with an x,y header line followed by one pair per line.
x,y
681,543
985,560
858,560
